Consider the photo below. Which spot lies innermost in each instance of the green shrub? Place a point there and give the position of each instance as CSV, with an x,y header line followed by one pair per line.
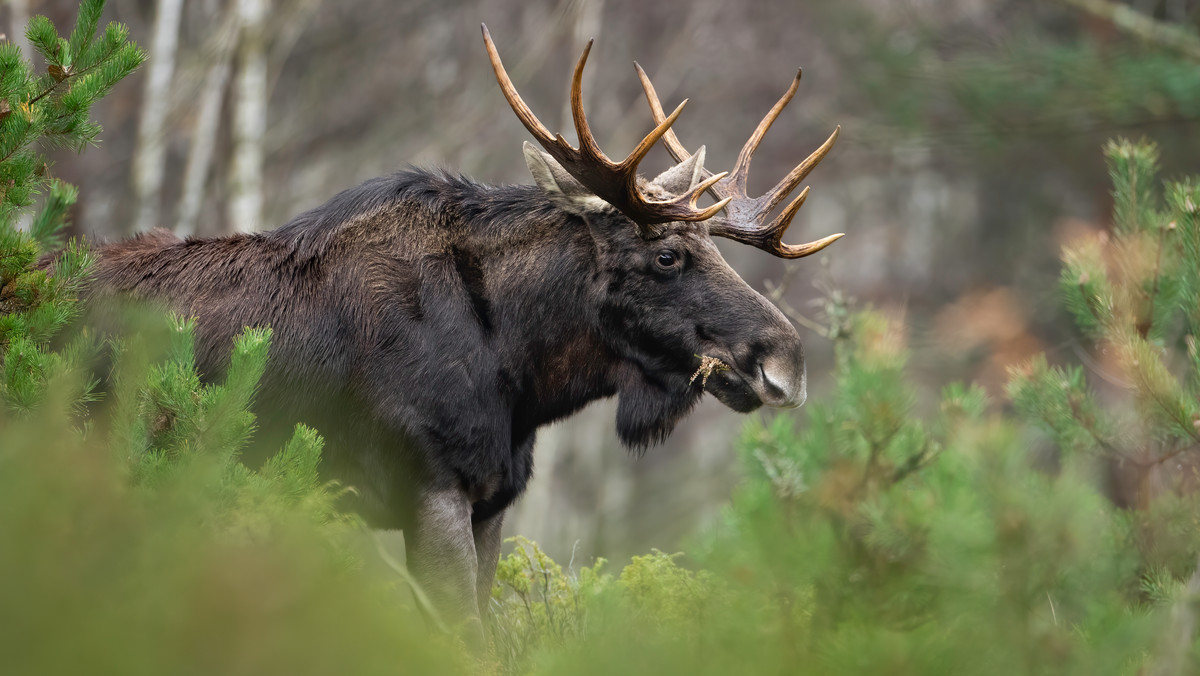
x,y
885,534
133,541
889,536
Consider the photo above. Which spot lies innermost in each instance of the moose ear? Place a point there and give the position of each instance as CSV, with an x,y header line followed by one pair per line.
x,y
551,177
684,176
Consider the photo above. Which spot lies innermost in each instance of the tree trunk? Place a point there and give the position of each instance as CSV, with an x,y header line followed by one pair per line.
x,y
149,162
19,15
250,120
208,122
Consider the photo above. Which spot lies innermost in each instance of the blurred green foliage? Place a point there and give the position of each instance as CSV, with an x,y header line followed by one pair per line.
x,y
884,535
1040,73
929,544
1136,295
131,539
888,536
942,548
202,567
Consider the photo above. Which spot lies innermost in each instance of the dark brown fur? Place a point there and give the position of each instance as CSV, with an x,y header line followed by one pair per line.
x,y
427,326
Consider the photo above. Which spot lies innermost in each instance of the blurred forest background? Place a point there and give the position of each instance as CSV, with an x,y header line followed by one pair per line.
x,y
970,153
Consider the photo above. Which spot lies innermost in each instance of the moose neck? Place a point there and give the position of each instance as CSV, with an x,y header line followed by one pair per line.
x,y
530,270
544,283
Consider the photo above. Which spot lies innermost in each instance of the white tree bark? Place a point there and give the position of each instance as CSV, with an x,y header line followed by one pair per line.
x,y
19,15
149,160
250,120
208,122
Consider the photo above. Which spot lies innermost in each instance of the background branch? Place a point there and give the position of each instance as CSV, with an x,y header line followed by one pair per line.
x,y
1143,27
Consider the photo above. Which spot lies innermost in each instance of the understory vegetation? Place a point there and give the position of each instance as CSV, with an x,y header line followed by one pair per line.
x,y
878,531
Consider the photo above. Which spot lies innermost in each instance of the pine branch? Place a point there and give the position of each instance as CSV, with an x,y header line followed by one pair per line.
x,y
1180,634
1144,328
1088,424
777,293
1143,27
1149,387
877,449
916,461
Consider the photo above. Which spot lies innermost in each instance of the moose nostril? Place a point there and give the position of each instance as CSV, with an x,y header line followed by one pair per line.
x,y
781,387
771,386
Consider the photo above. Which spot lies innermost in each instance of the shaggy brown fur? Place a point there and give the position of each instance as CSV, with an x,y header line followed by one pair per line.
x,y
427,326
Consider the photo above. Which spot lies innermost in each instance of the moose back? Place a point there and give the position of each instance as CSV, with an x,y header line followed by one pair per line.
x,y
428,325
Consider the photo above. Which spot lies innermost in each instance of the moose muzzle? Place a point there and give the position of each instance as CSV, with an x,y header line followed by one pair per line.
x,y
780,381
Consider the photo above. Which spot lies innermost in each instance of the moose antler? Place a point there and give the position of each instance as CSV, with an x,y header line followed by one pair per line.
x,y
614,182
745,214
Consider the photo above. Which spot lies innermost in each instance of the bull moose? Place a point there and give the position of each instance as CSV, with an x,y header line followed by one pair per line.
x,y
428,325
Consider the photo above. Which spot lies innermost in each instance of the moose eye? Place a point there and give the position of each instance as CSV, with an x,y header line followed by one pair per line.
x,y
666,259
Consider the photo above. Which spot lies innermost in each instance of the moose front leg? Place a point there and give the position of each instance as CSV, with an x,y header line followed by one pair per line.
x,y
442,559
487,553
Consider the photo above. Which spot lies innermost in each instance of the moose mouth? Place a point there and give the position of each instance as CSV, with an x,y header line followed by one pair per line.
x,y
731,389
745,392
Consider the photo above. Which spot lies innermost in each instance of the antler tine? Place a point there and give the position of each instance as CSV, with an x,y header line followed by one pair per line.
x,y
663,128
791,252
741,168
745,214
524,113
676,148
614,182
691,198
770,238
788,183
670,140
587,142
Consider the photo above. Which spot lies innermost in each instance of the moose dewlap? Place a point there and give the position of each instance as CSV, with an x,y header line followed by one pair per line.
x,y
428,325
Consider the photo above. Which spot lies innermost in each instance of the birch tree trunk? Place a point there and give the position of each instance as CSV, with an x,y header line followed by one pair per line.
x,y
250,120
208,121
149,161
19,15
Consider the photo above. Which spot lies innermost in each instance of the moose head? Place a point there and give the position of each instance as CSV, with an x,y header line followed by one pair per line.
x,y
672,306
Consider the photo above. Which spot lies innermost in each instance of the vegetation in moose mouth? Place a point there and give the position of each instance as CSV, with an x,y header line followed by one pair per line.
x,y
708,366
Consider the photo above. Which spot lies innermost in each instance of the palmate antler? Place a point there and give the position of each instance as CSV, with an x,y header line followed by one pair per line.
x,y
614,182
744,214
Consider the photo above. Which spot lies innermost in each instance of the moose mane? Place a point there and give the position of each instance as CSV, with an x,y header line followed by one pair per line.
x,y
463,203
